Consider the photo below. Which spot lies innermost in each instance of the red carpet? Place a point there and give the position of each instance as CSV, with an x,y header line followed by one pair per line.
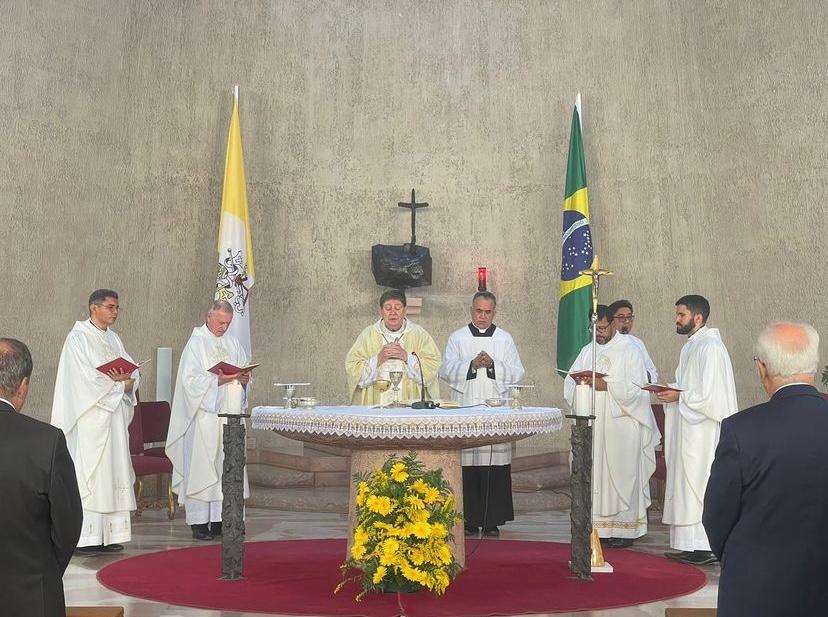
x,y
297,577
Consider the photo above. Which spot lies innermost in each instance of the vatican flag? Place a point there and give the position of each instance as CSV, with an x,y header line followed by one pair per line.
x,y
235,248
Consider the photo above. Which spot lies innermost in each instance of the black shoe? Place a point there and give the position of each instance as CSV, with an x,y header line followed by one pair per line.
x,y
470,532
111,548
88,551
215,528
491,532
619,543
201,532
677,555
699,558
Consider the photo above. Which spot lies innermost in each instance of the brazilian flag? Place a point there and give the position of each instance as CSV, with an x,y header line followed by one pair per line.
x,y
576,291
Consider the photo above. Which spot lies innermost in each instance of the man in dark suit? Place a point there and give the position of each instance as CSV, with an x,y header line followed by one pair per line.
x,y
766,504
41,514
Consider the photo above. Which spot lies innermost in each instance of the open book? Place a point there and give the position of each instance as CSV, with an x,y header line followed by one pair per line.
x,y
585,375
658,388
122,365
225,368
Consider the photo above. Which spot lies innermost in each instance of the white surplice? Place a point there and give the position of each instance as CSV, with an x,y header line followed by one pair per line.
x,y
194,440
649,365
625,437
94,412
692,424
470,387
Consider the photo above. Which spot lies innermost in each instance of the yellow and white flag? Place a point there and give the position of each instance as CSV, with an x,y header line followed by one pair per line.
x,y
235,248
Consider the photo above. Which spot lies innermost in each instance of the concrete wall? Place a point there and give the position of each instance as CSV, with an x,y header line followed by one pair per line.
x,y
704,128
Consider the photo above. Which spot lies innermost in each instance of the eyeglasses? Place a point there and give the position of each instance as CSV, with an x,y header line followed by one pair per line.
x,y
110,307
629,317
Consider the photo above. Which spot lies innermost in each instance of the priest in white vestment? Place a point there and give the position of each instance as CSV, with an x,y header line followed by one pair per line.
x,y
94,410
693,419
480,362
392,344
625,434
194,439
622,315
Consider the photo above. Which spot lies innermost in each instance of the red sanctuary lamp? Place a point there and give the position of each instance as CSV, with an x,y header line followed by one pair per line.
x,y
482,278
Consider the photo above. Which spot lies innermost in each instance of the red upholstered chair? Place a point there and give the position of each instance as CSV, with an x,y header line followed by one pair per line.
x,y
659,478
149,426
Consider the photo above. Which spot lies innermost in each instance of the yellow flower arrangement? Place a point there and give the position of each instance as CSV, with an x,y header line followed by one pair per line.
x,y
401,538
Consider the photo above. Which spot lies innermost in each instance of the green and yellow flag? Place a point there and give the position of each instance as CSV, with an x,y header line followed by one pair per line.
x,y
576,253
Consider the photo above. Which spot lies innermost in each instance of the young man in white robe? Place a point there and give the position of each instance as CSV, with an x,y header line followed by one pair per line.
x,y
623,318
693,419
625,434
393,343
94,410
194,440
480,362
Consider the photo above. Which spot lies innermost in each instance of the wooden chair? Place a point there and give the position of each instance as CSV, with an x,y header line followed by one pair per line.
x,y
149,426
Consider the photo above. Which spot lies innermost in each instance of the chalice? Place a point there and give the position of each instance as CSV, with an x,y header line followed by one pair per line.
x,y
396,378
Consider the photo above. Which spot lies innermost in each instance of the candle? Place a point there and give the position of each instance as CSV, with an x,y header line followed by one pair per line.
x,y
583,400
233,397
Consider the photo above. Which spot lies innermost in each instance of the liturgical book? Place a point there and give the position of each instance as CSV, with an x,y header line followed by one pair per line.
x,y
122,365
224,368
658,388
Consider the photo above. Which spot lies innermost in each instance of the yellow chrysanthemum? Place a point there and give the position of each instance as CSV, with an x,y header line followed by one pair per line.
x,y
415,502
420,486
444,554
416,556
439,531
379,574
390,546
431,495
420,529
381,505
358,551
399,472
418,516
360,535
441,580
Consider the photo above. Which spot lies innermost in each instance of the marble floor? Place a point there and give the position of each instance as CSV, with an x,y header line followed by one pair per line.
x,y
153,532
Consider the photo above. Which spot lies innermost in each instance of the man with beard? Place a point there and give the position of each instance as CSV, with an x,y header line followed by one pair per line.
x,y
625,434
705,395
623,317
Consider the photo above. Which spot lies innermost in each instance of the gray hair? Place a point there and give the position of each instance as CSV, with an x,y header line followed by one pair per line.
x,y
220,306
15,365
788,349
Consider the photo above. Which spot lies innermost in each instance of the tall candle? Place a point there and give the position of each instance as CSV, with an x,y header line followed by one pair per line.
x,y
163,374
233,397
583,399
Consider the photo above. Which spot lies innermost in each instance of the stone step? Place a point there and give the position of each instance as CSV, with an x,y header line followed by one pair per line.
x,y
541,501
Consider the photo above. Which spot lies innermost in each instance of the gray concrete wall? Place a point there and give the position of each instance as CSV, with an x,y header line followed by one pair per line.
x,y
704,128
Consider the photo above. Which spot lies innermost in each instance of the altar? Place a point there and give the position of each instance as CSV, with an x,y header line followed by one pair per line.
x,y
438,436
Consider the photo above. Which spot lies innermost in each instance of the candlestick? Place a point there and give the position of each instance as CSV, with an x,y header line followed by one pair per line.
x,y
233,394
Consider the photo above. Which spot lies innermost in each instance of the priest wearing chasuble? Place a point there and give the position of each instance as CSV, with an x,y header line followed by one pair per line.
x,y
391,344
94,411
693,419
480,362
194,439
625,434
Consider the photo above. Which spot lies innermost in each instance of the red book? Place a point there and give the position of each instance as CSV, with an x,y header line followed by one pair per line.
x,y
586,375
122,365
658,388
225,368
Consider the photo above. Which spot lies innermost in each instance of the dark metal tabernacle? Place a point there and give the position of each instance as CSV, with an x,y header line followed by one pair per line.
x,y
232,507
581,487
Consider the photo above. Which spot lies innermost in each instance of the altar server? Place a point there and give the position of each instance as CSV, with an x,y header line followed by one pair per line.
x,y
389,345
194,440
94,411
625,434
623,318
480,361
693,419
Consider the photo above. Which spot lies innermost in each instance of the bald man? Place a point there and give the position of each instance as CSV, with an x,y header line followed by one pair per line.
x,y
194,439
766,504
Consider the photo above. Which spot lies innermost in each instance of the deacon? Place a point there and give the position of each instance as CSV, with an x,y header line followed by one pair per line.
x,y
391,344
94,410
194,440
480,362
625,434
693,418
623,317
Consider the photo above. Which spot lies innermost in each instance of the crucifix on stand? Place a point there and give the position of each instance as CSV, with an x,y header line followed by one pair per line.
x,y
585,546
407,265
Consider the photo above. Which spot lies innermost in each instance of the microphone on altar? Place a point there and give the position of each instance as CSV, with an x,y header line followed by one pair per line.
x,y
422,403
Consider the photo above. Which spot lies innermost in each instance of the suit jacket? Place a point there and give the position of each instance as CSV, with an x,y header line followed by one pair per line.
x,y
40,517
766,507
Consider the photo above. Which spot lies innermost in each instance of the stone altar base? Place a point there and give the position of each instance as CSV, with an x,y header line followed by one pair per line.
x,y
447,460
